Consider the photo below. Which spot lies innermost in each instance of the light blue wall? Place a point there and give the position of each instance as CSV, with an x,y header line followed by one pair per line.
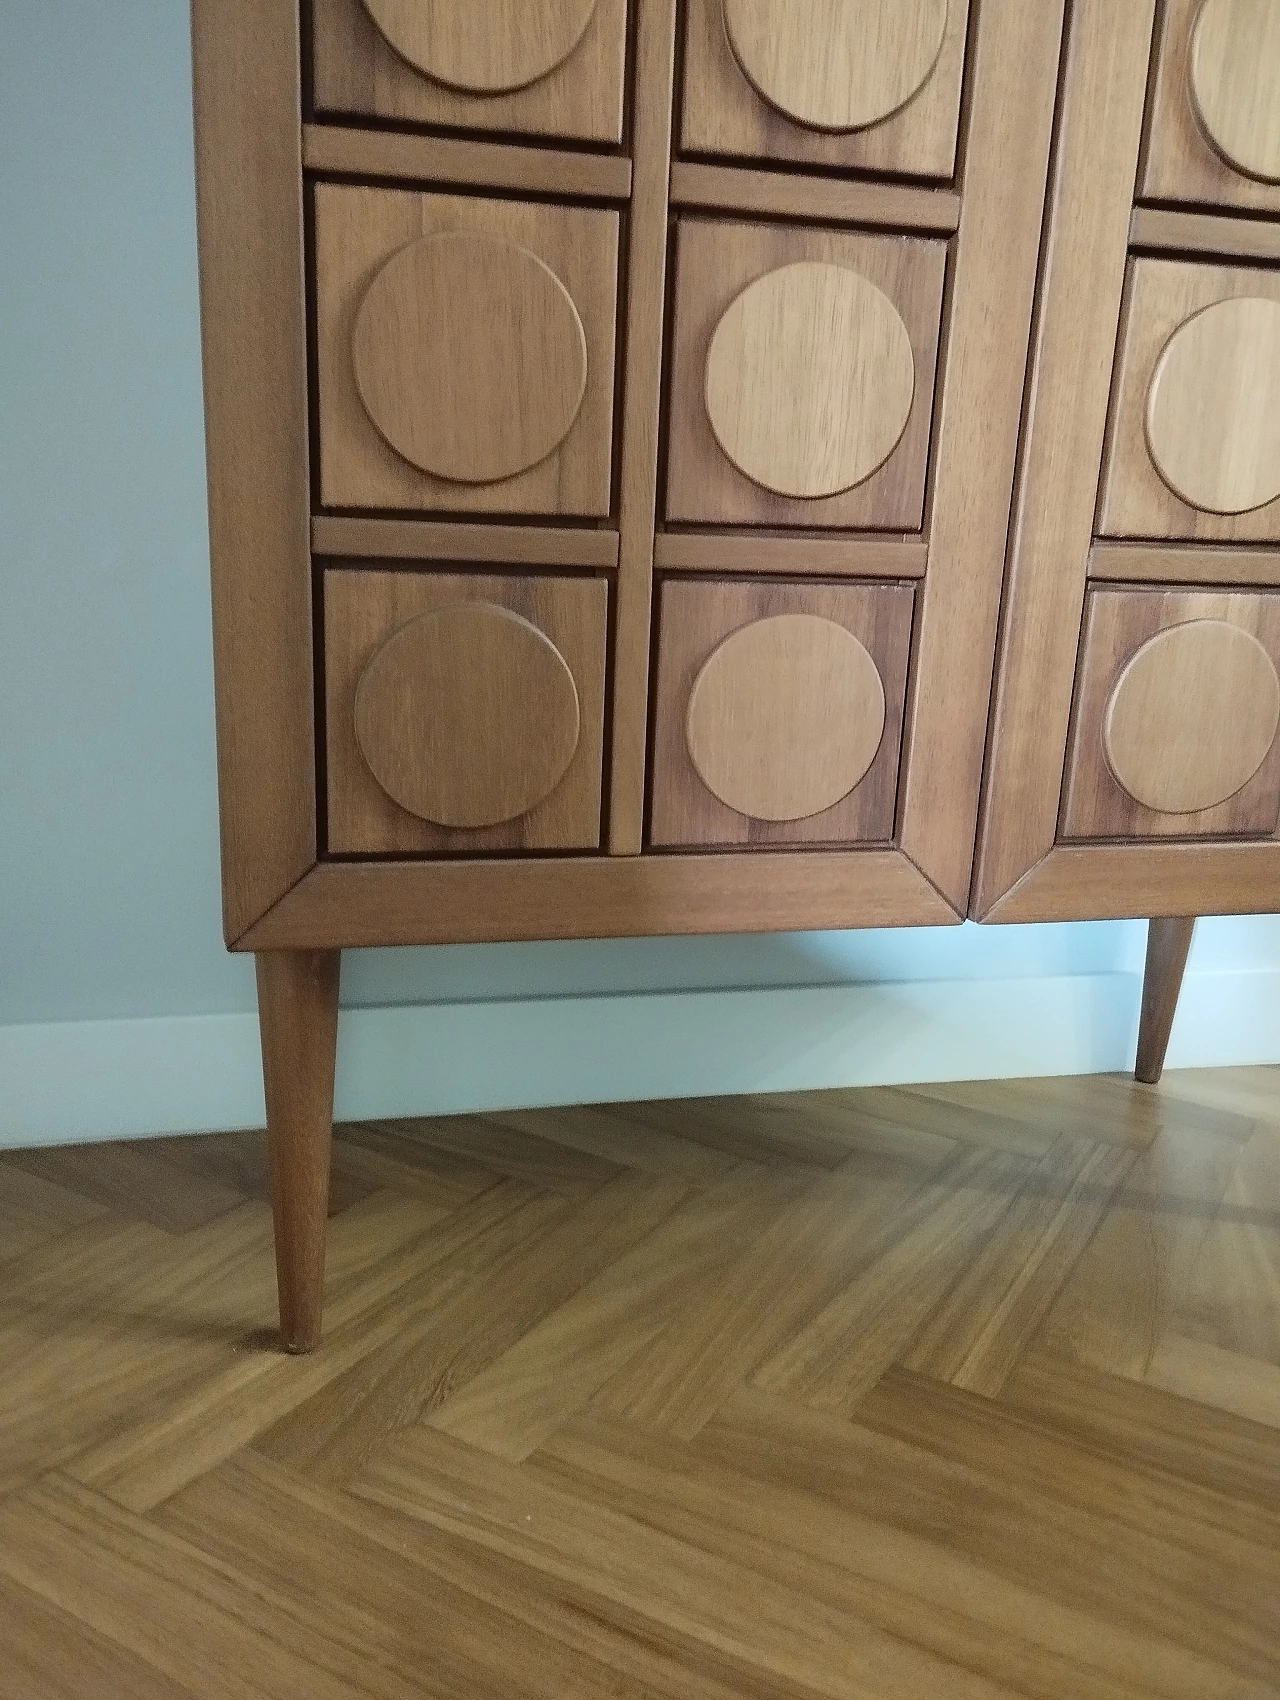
x,y
108,843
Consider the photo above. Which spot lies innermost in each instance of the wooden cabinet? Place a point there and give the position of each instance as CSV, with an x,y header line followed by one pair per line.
x,y
626,435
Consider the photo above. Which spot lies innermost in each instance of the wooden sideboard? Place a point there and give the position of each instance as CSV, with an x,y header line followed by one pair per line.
x,y
680,466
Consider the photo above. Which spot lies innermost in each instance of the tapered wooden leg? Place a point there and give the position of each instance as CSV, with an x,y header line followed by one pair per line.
x,y
1168,941
298,1016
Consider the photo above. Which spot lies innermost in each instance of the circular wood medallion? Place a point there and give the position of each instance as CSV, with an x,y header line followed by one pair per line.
x,y
785,717
1192,717
468,716
483,46
1235,82
470,357
1213,423
836,64
810,380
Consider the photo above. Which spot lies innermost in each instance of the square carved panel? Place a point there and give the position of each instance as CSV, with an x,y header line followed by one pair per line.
x,y
802,379
562,78
464,712
1176,713
779,712
1212,135
826,82
1194,436
465,352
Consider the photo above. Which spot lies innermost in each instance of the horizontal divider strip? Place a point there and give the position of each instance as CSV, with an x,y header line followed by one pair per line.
x,y
897,206
448,541
1179,564
836,557
447,160
1205,233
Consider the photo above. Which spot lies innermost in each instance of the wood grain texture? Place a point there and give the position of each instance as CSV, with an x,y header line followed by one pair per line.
x,y
447,541
807,56
715,264
507,46
1168,942
1137,880
1181,160
1013,79
1175,717
1210,423
809,380
252,305
782,690
357,232
759,552
655,25
1193,449
1210,234
1091,197
785,717
453,734
1230,678
451,160
490,335
1235,83
839,65
468,716
1166,563
357,70
387,903
298,1015
824,200
546,1449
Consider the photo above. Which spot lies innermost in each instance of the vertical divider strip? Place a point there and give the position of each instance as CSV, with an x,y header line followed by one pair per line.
x,y
642,400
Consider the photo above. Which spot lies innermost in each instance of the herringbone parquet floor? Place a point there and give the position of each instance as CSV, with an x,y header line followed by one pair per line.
x,y
898,1394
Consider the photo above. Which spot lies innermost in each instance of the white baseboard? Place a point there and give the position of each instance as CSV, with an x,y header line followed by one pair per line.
x,y
71,1081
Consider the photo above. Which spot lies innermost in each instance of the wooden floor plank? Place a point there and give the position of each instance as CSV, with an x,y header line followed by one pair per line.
x,y
49,1655
462,1330
948,1392
832,1362
552,1370
977,1335
136,1181
752,1620
160,1599
777,1284
1146,1429
1145,1249
34,1210
1141,1581
995,1625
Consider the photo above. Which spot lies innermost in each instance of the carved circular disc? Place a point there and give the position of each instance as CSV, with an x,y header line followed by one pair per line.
x,y
1192,717
836,64
468,716
810,379
470,357
1235,82
1213,423
483,46
785,717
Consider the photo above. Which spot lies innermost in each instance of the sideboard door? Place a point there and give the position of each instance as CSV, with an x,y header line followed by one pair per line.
x,y
1135,754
